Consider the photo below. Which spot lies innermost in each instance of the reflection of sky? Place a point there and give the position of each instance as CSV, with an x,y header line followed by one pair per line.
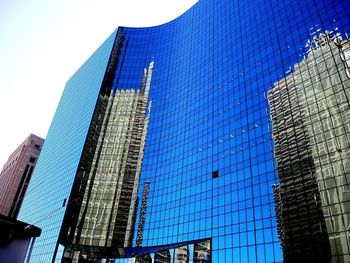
x,y
213,68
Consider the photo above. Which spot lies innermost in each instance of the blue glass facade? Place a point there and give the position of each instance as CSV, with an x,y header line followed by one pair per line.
x,y
209,153
51,185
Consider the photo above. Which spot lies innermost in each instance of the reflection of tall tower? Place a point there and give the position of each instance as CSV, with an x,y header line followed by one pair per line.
x,y
144,204
310,112
302,225
102,205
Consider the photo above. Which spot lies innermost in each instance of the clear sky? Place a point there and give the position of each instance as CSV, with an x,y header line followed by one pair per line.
x,y
43,42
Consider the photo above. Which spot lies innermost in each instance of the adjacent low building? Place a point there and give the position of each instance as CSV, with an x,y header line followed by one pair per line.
x,y
16,174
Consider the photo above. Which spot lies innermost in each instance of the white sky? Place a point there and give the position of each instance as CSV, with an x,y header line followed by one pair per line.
x,y
43,42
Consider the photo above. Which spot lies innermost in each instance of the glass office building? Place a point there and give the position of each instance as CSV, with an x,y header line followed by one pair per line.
x,y
221,136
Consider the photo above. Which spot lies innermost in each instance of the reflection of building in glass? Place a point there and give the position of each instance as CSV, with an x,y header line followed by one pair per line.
x,y
144,259
310,116
144,204
202,252
101,208
181,254
302,226
162,257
